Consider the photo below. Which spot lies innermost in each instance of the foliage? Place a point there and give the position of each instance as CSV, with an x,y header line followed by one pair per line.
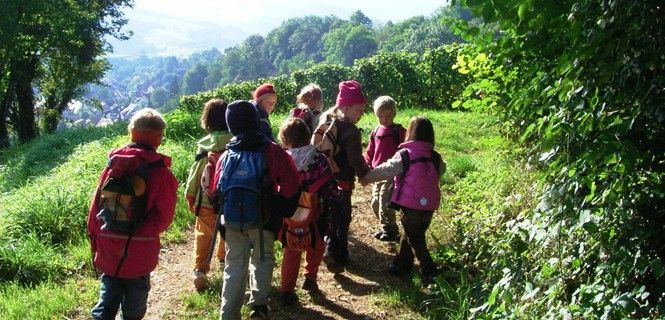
x,y
58,48
581,84
428,81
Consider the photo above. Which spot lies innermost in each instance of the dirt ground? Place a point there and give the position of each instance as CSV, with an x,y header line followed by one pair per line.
x,y
344,296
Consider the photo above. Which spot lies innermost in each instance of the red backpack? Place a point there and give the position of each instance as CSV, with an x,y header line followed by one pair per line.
x,y
208,182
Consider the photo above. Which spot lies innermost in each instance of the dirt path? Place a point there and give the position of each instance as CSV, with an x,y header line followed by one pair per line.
x,y
345,296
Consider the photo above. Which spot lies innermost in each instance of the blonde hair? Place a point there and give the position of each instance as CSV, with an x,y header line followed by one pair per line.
x,y
147,119
309,93
384,103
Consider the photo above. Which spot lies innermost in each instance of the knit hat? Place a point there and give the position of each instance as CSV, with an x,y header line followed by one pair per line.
x,y
350,94
266,88
241,116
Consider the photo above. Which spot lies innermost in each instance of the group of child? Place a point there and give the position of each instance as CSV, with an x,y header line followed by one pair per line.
x,y
301,174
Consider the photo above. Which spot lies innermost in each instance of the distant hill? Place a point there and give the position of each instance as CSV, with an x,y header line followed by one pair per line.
x,y
162,35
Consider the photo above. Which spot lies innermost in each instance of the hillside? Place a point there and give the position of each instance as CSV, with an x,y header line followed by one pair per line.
x,y
59,183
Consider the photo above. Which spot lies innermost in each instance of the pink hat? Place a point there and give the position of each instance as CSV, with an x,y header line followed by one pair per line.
x,y
350,94
266,88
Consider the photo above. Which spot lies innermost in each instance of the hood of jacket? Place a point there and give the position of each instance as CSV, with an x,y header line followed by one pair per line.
x,y
215,141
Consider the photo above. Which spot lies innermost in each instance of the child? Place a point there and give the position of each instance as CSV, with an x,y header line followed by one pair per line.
x,y
348,109
127,258
250,250
416,169
310,103
382,145
265,99
198,185
317,178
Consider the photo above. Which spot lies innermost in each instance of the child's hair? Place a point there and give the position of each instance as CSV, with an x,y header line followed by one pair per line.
x,y
214,115
294,133
147,119
420,129
309,94
384,104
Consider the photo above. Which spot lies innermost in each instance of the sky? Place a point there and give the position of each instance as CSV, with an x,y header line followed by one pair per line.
x,y
177,27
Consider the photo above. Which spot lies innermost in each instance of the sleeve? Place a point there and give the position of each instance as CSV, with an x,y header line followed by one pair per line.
x,y
284,174
392,167
92,211
164,201
369,154
193,183
354,152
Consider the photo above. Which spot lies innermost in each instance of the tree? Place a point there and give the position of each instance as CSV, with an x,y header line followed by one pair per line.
x,y
348,43
582,84
194,78
360,18
42,41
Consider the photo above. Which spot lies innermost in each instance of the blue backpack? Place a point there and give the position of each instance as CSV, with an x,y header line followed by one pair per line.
x,y
242,178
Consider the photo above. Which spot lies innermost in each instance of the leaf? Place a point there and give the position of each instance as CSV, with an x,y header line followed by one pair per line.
x,y
521,10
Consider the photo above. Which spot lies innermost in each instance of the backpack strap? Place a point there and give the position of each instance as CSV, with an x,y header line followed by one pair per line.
x,y
200,155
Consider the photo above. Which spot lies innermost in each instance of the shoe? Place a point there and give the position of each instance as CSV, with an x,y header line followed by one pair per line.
x,y
287,298
332,265
200,280
378,235
259,312
310,285
389,237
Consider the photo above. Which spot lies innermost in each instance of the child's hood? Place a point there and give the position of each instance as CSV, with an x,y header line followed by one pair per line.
x,y
146,155
215,141
303,156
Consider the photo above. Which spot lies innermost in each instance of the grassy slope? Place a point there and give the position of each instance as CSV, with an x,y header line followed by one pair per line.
x,y
46,186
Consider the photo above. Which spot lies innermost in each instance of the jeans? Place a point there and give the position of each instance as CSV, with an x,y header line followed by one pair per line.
x,y
130,294
243,256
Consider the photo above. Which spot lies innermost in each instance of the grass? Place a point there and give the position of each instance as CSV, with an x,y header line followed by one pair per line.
x,y
46,187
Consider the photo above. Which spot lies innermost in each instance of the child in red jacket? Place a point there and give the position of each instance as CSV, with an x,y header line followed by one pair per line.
x,y
125,252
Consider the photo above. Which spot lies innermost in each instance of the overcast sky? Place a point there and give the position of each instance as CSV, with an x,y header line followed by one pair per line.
x,y
177,27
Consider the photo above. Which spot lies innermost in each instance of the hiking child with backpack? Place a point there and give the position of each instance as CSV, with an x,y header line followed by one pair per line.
x,y
382,145
200,187
258,187
310,103
265,99
304,231
134,202
416,169
339,138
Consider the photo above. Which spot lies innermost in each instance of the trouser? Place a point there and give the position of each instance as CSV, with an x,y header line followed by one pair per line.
x,y
243,257
337,240
412,241
291,264
129,294
381,192
204,230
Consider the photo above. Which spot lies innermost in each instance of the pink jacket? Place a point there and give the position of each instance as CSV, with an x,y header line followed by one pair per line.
x,y
383,145
143,250
420,188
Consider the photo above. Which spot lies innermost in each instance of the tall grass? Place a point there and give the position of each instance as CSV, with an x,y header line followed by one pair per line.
x,y
46,187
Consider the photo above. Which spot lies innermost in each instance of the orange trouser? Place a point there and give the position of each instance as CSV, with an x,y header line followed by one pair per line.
x,y
203,233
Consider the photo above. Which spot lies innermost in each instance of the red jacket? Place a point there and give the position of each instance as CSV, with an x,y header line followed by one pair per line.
x,y
143,250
